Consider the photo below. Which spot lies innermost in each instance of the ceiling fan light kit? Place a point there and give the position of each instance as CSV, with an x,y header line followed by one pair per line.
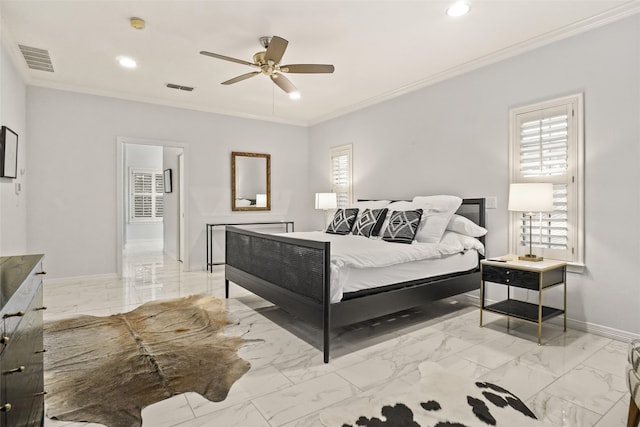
x,y
268,62
137,23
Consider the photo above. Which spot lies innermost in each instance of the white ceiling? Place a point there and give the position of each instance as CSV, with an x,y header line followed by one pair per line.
x,y
380,49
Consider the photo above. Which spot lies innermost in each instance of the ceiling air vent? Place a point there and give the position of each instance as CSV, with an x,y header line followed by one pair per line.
x,y
37,59
179,87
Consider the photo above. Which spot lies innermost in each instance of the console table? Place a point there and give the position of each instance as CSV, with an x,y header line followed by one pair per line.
x,y
209,236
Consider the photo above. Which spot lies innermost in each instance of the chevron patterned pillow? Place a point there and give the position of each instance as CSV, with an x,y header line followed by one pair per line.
x,y
342,221
402,226
370,222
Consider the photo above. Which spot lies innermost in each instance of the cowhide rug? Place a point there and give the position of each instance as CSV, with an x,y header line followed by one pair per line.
x,y
440,399
106,369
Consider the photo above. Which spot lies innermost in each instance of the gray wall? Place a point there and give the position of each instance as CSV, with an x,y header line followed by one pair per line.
x,y
73,160
453,138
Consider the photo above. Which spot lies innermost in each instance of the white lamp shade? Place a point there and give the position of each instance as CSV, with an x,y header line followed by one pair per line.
x,y
261,200
531,197
326,201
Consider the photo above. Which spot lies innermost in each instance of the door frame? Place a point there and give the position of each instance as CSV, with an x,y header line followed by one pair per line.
x,y
121,193
181,216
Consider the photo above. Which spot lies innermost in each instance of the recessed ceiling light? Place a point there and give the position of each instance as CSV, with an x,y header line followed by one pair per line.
x,y
294,95
127,62
459,8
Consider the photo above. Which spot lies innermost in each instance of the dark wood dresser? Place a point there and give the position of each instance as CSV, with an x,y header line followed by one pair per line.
x,y
21,341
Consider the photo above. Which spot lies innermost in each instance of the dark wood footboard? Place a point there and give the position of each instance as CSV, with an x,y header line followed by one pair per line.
x,y
286,271
295,275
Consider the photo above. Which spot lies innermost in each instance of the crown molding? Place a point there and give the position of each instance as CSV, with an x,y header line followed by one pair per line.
x,y
620,12
628,9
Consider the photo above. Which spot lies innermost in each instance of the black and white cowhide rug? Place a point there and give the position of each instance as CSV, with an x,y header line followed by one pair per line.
x,y
106,369
440,399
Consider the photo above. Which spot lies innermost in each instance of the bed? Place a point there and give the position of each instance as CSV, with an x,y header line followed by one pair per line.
x,y
295,274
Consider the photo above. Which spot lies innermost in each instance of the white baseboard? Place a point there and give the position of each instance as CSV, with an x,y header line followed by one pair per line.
x,y
66,280
579,325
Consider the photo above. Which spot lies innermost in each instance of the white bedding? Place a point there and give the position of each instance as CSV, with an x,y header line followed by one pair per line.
x,y
359,279
359,263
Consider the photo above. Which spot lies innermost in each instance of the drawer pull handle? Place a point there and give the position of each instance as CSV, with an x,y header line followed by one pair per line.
x,y
508,280
42,393
4,340
44,307
5,408
44,350
16,314
15,370
41,272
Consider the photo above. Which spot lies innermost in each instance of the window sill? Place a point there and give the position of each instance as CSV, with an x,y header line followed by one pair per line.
x,y
576,267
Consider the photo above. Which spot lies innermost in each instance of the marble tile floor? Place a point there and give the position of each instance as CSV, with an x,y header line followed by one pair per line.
x,y
575,379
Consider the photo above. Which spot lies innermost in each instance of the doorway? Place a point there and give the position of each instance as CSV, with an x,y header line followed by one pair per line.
x,y
151,207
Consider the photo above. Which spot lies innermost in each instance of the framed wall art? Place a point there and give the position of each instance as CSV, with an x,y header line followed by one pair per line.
x,y
167,181
8,153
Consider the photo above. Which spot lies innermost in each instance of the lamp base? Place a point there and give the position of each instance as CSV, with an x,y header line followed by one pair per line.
x,y
530,257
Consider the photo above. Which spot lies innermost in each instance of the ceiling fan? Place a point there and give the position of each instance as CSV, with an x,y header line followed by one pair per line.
x,y
268,62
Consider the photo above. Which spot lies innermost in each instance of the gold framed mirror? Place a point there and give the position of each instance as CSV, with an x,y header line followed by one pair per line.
x,y
250,181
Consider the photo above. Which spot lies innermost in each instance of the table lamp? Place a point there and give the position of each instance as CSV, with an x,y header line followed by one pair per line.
x,y
326,201
530,198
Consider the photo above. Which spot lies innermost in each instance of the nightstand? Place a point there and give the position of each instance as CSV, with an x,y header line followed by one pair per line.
x,y
535,276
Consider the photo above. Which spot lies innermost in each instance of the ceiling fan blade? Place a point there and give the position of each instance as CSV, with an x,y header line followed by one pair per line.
x,y
227,58
241,78
307,68
283,83
276,49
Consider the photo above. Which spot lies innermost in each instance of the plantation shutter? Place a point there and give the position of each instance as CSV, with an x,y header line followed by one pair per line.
x,y
544,149
159,194
146,190
341,174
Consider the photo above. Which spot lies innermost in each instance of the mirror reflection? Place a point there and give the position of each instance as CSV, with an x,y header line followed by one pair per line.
x,y
250,181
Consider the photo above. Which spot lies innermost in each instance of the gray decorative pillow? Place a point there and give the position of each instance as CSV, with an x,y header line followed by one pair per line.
x,y
342,221
402,226
370,222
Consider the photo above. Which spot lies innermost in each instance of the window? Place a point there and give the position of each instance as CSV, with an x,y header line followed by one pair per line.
x,y
146,195
341,174
547,145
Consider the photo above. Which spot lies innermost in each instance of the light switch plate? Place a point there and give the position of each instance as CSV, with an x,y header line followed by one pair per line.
x,y
491,202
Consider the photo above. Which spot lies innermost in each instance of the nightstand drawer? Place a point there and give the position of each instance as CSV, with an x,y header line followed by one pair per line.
x,y
511,276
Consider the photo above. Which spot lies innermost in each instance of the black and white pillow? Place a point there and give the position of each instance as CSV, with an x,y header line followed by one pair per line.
x,y
343,221
402,226
370,222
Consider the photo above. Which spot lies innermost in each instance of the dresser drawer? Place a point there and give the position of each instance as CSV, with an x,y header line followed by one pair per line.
x,y
513,277
21,359
22,366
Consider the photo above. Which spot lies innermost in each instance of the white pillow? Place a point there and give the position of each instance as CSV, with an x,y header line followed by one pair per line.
x,y
437,212
467,242
441,203
403,206
370,204
463,225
